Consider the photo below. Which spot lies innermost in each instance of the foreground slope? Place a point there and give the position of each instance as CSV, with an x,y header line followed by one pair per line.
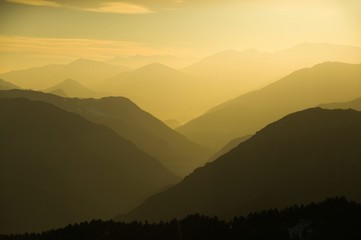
x,y
305,156
246,114
124,117
57,168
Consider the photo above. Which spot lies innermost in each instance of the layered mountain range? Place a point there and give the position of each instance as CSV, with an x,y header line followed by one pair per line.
x,y
129,121
57,168
303,157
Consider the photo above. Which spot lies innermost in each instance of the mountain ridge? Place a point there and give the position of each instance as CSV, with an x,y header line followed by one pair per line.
x,y
57,168
131,122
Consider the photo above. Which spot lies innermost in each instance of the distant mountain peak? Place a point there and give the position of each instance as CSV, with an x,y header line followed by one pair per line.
x,y
155,68
70,82
155,65
86,62
72,88
237,53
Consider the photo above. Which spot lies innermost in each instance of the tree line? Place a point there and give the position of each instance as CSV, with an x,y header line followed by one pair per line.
x,y
334,218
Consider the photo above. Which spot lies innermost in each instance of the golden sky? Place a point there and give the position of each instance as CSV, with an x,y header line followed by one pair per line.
x,y
38,32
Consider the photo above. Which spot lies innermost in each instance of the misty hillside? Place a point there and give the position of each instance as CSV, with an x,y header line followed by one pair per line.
x,y
236,72
86,72
354,104
305,156
129,121
57,168
59,92
5,85
161,90
73,88
246,114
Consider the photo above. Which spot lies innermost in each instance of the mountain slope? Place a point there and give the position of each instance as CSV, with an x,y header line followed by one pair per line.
x,y
354,104
327,82
305,156
73,89
124,117
237,72
57,167
87,72
229,146
5,85
161,90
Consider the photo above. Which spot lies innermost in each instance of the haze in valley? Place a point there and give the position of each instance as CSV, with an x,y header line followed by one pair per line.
x,y
138,110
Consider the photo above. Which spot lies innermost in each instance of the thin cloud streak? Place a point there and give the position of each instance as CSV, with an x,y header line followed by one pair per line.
x,y
85,48
103,7
120,7
44,3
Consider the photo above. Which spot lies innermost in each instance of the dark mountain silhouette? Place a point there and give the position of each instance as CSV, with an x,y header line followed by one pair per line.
x,y
305,156
354,104
87,72
57,168
246,114
73,89
5,85
334,218
129,121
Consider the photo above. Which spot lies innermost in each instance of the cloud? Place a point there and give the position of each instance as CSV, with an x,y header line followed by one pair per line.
x,y
120,7
36,2
91,5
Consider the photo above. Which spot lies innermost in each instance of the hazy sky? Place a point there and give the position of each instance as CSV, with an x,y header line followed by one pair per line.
x,y
37,32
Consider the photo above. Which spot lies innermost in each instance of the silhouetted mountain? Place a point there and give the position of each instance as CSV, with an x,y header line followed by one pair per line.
x,y
129,121
87,72
229,146
73,89
4,85
232,73
57,167
246,114
354,104
335,218
305,156
139,61
161,90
